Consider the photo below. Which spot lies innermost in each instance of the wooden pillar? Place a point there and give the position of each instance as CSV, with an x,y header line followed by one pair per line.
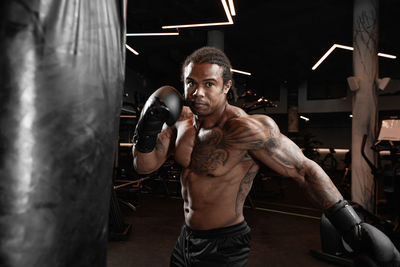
x,y
365,66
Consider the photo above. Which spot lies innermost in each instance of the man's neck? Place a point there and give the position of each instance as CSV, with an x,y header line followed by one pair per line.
x,y
212,120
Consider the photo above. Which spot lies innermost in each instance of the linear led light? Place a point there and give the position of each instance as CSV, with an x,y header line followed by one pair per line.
x,y
153,34
132,50
386,55
232,8
337,150
333,47
241,72
228,15
304,118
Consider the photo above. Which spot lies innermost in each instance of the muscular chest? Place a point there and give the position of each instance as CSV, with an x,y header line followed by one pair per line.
x,y
206,151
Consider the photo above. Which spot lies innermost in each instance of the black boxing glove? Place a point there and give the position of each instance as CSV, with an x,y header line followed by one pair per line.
x,y
163,106
363,238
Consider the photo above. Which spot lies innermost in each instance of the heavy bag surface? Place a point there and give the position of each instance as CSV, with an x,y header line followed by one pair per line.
x,y
61,77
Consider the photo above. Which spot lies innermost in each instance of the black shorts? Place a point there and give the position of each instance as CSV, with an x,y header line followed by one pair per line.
x,y
228,246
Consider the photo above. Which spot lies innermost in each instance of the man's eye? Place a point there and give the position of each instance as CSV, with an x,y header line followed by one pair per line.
x,y
209,84
190,84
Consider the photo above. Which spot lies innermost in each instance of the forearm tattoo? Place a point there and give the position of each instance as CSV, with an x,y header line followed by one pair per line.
x,y
319,186
309,174
163,138
315,181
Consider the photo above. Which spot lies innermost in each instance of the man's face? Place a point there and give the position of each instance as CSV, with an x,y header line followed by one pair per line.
x,y
204,88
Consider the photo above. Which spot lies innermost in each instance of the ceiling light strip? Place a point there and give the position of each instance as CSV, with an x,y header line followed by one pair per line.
x,y
132,50
304,118
387,55
153,34
344,47
232,8
196,25
324,56
228,15
347,48
241,72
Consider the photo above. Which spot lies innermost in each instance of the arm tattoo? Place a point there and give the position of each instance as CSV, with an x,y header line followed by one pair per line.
x,y
163,137
287,159
290,156
239,134
319,186
159,145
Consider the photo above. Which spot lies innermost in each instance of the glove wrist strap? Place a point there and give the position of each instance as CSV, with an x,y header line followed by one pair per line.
x,y
343,216
145,144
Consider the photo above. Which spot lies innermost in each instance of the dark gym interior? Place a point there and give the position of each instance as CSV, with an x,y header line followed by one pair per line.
x,y
74,76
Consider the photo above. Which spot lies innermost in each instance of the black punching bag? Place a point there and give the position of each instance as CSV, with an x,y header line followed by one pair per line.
x,y
61,83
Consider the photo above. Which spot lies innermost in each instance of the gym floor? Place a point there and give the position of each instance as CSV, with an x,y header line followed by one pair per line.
x,y
284,228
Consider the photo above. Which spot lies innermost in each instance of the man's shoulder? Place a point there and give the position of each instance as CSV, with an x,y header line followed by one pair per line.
x,y
242,119
264,120
250,130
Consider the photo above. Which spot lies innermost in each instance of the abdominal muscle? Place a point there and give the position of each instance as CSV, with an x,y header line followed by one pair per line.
x,y
213,201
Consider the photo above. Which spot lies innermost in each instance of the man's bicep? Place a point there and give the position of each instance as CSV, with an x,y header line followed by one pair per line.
x,y
282,155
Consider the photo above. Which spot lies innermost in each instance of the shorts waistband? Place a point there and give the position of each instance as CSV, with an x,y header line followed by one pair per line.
x,y
240,228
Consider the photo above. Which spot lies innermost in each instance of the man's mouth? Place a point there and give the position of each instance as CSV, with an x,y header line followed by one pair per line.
x,y
199,104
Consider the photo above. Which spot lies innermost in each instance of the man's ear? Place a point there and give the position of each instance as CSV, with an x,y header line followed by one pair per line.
x,y
227,86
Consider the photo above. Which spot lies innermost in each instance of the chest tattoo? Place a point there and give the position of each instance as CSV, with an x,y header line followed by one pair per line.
x,y
209,152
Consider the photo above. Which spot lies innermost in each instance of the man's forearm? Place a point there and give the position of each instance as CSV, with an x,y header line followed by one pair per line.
x,y
320,187
145,163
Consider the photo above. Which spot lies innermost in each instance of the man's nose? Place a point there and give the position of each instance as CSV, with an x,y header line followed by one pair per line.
x,y
198,91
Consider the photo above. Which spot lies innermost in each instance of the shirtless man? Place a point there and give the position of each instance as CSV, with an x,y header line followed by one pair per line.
x,y
220,149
